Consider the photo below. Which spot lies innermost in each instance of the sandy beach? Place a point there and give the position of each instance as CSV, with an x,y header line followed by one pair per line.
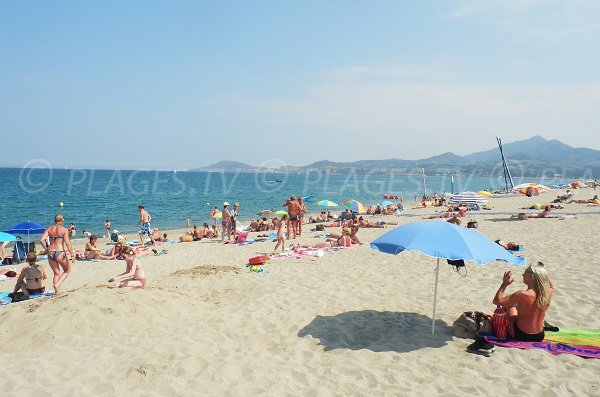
x,y
352,322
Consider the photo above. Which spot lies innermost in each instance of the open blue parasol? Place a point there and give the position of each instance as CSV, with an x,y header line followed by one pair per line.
x,y
443,240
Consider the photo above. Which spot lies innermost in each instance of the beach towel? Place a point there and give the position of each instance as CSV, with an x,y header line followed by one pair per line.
x,y
577,341
5,299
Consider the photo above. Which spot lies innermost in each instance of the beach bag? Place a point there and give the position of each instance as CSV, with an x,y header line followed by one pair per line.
x,y
470,323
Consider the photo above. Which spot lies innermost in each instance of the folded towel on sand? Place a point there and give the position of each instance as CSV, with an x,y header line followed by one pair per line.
x,y
578,341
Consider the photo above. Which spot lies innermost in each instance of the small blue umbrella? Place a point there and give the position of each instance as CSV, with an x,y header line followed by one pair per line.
x,y
385,203
27,228
443,240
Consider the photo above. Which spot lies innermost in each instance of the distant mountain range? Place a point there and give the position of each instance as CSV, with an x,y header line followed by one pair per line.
x,y
533,157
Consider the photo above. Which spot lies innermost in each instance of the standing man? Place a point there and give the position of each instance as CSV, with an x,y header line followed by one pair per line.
x,y
189,221
145,219
293,211
107,226
233,221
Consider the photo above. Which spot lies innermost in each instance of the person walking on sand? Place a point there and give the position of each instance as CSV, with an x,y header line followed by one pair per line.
x,y
145,230
281,233
59,243
134,275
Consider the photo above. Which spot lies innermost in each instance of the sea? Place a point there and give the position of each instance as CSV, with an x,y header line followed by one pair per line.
x,y
88,197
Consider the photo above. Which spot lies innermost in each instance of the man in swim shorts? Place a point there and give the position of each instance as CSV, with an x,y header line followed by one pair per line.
x,y
145,219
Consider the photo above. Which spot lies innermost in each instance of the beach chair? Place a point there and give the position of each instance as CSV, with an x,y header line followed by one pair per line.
x,y
19,251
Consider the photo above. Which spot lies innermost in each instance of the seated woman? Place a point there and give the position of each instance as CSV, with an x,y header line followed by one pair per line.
x,y
133,276
115,252
526,309
214,231
32,279
93,252
254,226
353,235
205,229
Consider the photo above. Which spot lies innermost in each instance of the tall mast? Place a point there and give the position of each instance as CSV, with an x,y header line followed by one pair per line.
x,y
505,170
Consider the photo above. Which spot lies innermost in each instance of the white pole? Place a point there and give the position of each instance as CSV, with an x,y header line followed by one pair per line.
x,y
424,184
437,273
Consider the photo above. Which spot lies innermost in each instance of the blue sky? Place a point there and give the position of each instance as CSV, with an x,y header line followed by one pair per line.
x,y
183,84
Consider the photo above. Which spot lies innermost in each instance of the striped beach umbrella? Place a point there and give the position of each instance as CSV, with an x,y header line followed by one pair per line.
x,y
355,206
327,203
467,198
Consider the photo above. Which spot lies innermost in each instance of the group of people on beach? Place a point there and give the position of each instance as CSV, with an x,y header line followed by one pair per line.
x,y
525,309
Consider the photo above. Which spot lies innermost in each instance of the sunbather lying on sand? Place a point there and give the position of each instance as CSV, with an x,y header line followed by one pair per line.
x,y
593,200
544,214
511,245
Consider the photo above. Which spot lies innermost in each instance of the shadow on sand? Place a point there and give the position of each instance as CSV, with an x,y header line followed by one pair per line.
x,y
377,331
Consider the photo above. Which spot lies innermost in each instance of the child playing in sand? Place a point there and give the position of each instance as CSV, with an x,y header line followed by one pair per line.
x,y
32,279
281,233
134,275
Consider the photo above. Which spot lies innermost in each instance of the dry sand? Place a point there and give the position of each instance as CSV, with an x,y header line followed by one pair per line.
x,y
355,322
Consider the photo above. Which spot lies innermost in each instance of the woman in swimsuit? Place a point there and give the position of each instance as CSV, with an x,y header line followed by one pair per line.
x,y
93,252
134,275
59,243
527,308
32,279
281,234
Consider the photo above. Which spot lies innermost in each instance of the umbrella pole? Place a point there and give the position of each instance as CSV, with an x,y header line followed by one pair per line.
x,y
437,273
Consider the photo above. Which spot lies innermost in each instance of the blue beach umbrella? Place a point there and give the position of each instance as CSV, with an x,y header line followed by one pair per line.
x,y
443,240
385,203
27,228
6,237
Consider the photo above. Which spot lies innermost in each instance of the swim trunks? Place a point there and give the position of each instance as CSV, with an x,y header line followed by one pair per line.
x,y
293,217
146,229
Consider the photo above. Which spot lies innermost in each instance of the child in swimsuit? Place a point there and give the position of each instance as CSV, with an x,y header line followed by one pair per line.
x,y
281,234
32,279
134,275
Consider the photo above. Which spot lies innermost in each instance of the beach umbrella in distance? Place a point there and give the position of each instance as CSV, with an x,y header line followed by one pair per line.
x,y
217,215
485,193
441,239
27,228
4,237
355,206
385,203
280,213
267,214
467,198
326,203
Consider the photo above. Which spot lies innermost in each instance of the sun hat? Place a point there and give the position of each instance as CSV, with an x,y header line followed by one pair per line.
x,y
346,230
225,204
